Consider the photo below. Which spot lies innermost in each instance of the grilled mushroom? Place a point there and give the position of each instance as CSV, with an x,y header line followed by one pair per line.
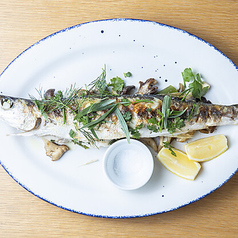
x,y
53,150
148,87
127,89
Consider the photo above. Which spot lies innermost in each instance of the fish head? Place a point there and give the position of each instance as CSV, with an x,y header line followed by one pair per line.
x,y
18,113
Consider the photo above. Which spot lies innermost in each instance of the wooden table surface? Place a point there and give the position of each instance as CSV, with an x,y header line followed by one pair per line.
x,y
23,23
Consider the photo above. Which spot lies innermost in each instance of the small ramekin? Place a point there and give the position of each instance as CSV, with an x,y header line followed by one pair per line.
x,y
128,165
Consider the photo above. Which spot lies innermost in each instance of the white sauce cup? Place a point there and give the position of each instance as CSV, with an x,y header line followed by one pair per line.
x,y
128,166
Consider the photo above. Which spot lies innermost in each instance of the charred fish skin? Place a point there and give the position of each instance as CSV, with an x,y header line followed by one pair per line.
x,y
24,115
197,115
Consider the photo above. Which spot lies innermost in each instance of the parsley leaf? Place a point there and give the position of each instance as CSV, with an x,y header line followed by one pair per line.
x,y
170,119
127,75
153,128
178,123
195,84
135,132
127,116
152,120
117,84
126,102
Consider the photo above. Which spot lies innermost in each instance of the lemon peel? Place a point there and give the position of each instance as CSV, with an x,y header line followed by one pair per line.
x,y
180,164
207,148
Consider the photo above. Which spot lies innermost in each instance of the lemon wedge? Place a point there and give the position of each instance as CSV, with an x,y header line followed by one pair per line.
x,y
207,148
180,164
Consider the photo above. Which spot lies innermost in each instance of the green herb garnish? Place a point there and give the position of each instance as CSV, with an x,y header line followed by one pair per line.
x,y
153,128
168,90
177,123
127,75
123,124
117,84
135,131
100,106
195,84
127,115
72,134
61,101
99,84
125,102
169,120
100,119
152,120
168,146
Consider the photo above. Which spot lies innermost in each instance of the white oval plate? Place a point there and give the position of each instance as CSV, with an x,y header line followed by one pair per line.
x,y
77,55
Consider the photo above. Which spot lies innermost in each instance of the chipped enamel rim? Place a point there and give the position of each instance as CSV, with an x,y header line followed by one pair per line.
x,y
115,216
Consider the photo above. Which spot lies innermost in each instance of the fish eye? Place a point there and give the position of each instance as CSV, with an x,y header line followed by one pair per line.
x,y
6,103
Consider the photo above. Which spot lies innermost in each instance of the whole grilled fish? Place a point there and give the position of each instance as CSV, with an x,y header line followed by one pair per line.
x,y
96,118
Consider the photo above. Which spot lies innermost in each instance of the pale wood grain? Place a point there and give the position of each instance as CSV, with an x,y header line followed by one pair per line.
x,y
22,23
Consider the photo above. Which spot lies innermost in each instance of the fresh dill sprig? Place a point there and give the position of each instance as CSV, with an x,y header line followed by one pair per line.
x,y
88,136
72,134
61,101
99,84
